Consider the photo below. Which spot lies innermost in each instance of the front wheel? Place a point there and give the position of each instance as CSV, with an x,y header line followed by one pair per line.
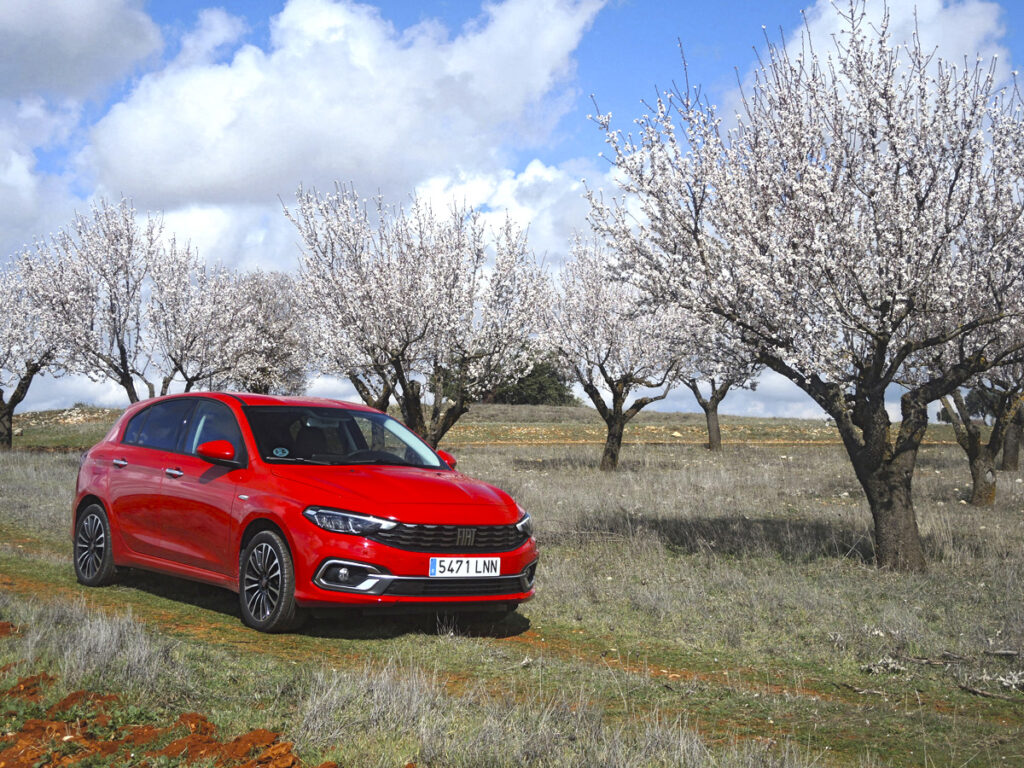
x,y
94,562
267,585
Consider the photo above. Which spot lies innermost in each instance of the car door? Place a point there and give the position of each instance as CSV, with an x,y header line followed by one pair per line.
x,y
146,448
197,497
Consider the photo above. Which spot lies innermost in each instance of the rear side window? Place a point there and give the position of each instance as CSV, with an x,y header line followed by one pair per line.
x,y
134,428
162,428
212,421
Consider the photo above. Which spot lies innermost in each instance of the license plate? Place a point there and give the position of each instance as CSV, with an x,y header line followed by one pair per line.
x,y
464,567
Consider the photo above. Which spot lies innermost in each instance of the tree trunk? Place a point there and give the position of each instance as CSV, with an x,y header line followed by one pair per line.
x,y
887,486
981,456
129,387
983,475
710,407
6,426
714,431
7,406
613,442
1011,442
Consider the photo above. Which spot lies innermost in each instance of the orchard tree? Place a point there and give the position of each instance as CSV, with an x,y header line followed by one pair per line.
x,y
1003,388
267,338
865,211
96,270
30,338
610,343
714,363
194,318
408,302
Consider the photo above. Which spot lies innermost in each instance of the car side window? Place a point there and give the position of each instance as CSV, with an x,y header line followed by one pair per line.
x,y
134,428
162,428
212,421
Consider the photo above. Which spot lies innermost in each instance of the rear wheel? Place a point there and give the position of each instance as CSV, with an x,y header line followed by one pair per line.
x,y
94,562
267,585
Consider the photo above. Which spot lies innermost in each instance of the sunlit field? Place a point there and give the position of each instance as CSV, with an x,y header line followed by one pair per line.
x,y
692,609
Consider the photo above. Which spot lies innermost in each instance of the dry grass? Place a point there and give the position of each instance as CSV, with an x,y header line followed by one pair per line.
x,y
730,595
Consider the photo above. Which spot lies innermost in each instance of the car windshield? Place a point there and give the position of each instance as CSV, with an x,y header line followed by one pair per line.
x,y
287,434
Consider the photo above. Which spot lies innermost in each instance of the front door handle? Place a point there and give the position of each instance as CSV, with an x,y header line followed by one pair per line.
x,y
120,462
173,472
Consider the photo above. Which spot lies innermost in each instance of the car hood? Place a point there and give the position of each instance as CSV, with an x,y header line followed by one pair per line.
x,y
408,494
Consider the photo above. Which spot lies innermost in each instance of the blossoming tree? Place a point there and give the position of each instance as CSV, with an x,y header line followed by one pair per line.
x,y
195,317
96,271
866,210
611,344
30,338
1004,386
408,302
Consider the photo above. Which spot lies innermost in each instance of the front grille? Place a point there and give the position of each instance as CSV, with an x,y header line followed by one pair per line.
x,y
451,538
455,587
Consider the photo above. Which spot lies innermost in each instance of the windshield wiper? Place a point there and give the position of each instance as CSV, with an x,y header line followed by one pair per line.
x,y
395,461
296,460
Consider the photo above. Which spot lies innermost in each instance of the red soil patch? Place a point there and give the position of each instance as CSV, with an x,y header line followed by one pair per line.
x,y
6,628
29,688
65,742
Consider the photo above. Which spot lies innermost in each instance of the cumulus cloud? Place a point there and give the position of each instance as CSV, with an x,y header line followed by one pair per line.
x,y
545,199
953,29
341,94
71,48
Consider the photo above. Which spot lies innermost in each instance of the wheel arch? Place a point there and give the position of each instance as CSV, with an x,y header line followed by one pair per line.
x,y
257,525
86,501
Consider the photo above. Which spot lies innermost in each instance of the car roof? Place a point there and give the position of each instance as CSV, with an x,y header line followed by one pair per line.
x,y
248,398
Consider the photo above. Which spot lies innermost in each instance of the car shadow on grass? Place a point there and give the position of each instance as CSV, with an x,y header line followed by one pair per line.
x,y
338,623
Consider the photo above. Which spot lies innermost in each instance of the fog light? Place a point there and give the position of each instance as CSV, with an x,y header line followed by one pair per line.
x,y
349,577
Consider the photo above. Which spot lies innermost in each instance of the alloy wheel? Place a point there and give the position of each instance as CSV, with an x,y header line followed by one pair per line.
x,y
262,583
90,546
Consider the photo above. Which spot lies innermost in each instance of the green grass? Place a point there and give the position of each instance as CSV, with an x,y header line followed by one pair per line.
x,y
693,609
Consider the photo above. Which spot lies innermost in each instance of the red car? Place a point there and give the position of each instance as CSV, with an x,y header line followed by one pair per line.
x,y
296,503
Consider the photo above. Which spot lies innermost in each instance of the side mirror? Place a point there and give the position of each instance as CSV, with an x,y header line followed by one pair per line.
x,y
219,452
447,458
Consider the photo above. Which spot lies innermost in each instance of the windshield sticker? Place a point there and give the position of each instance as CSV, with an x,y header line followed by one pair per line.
x,y
280,452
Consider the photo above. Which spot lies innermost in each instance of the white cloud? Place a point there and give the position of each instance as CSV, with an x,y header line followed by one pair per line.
x,y
215,31
71,47
341,94
546,199
954,29
241,236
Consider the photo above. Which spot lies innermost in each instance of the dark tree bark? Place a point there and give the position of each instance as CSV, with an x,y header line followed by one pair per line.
x,y
376,397
710,407
615,416
7,406
443,412
1012,440
981,455
884,464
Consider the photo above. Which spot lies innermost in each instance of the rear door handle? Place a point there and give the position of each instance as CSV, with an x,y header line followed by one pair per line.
x,y
173,472
120,462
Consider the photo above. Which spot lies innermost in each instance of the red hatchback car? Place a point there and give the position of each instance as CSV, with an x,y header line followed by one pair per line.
x,y
296,503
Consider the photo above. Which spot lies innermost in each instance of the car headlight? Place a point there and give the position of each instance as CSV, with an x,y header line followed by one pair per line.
x,y
340,521
525,524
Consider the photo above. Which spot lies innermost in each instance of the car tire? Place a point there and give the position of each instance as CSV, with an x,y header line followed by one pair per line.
x,y
266,585
93,558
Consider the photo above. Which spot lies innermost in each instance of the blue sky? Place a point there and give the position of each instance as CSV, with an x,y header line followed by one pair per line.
x,y
211,112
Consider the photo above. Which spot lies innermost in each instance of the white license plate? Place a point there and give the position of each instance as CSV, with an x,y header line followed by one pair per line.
x,y
464,567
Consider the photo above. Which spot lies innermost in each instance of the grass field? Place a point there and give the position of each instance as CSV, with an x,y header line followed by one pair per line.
x,y
692,609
